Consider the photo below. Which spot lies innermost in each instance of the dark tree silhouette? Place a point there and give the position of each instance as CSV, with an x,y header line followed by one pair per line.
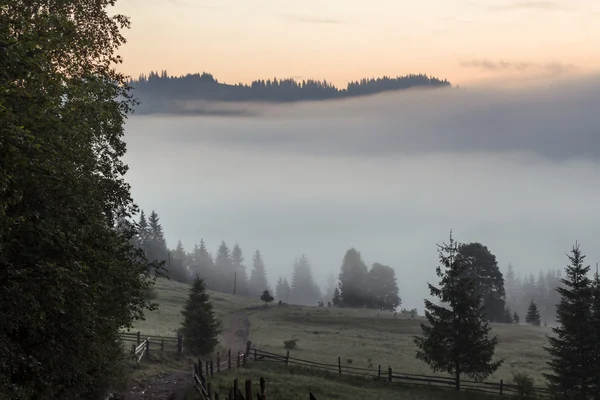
x,y
200,327
533,315
353,279
455,339
266,297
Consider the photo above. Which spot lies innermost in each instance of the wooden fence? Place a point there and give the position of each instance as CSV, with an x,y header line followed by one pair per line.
x,y
500,388
156,342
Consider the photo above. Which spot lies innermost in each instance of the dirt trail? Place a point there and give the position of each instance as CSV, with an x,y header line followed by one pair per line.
x,y
172,385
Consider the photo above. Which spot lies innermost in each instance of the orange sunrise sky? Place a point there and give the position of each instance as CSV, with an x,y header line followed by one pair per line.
x,y
340,40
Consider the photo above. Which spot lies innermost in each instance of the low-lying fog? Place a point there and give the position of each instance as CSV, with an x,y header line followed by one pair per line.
x,y
515,169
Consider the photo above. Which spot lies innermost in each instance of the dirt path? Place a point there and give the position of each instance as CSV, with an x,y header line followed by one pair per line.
x,y
173,385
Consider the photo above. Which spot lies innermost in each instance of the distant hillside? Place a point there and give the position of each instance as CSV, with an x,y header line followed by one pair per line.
x,y
157,89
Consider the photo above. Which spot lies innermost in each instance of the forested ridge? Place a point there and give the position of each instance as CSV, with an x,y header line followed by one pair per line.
x,y
162,86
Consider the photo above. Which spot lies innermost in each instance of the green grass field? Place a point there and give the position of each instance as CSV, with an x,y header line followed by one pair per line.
x,y
362,338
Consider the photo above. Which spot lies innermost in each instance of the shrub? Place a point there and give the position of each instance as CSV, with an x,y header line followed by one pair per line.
x,y
524,383
291,344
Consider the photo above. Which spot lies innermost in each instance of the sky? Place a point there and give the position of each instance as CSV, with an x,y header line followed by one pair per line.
x,y
464,41
517,169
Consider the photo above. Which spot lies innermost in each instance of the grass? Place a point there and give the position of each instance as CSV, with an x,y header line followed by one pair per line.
x,y
362,338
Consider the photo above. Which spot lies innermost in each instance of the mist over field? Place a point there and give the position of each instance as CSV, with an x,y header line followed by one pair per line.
x,y
517,169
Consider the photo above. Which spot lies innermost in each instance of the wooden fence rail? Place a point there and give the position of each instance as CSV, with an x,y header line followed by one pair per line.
x,y
406,378
159,341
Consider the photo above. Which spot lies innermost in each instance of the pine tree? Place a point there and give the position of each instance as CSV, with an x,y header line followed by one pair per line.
x,y
596,329
304,290
266,297
533,315
515,318
455,339
156,248
572,347
237,259
258,276
177,268
224,273
200,327
353,278
337,298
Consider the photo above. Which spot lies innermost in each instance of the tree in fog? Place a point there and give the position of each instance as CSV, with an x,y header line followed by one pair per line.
x,y
336,300
203,265
330,288
224,269
258,276
483,268
304,290
266,297
455,338
595,322
533,315
382,288
515,318
237,259
282,290
200,327
572,348
353,278
157,246
177,267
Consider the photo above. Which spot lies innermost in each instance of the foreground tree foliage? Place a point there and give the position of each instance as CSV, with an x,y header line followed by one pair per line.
x,y
455,339
70,276
572,349
200,327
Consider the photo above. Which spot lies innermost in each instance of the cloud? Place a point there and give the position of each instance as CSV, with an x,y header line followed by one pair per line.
x,y
312,19
529,5
519,66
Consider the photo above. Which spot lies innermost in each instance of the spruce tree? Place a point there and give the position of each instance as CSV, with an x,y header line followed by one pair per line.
x,y
533,315
596,329
336,300
266,297
353,280
200,327
304,290
258,276
573,346
224,273
455,339
515,318
237,259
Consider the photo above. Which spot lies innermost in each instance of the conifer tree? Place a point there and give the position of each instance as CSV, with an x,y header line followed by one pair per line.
x,y
533,315
455,339
237,259
353,278
258,276
266,297
516,318
572,347
224,273
596,329
203,265
336,300
200,327
304,290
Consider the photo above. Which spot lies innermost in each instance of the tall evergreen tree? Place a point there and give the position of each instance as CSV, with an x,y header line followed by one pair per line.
x,y
595,322
533,315
331,286
353,278
258,276
177,267
455,339
203,265
237,259
224,272
304,290
200,327
156,247
336,300
572,348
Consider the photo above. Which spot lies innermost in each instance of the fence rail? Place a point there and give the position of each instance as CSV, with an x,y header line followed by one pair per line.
x,y
406,378
160,342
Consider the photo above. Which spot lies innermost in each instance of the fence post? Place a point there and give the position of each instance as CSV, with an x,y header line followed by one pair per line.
x,y
379,372
247,351
390,374
179,343
148,346
218,362
263,391
287,357
132,349
238,360
162,345
138,338
229,359
255,355
200,368
340,365
209,390
248,389
207,368
211,369
501,386
235,389
216,396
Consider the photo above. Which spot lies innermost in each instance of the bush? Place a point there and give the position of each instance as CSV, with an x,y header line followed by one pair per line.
x,y
524,383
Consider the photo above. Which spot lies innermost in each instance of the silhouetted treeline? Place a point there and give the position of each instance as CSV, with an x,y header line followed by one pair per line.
x,y
205,87
522,291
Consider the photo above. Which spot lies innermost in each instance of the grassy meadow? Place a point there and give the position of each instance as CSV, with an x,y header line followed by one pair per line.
x,y
362,338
